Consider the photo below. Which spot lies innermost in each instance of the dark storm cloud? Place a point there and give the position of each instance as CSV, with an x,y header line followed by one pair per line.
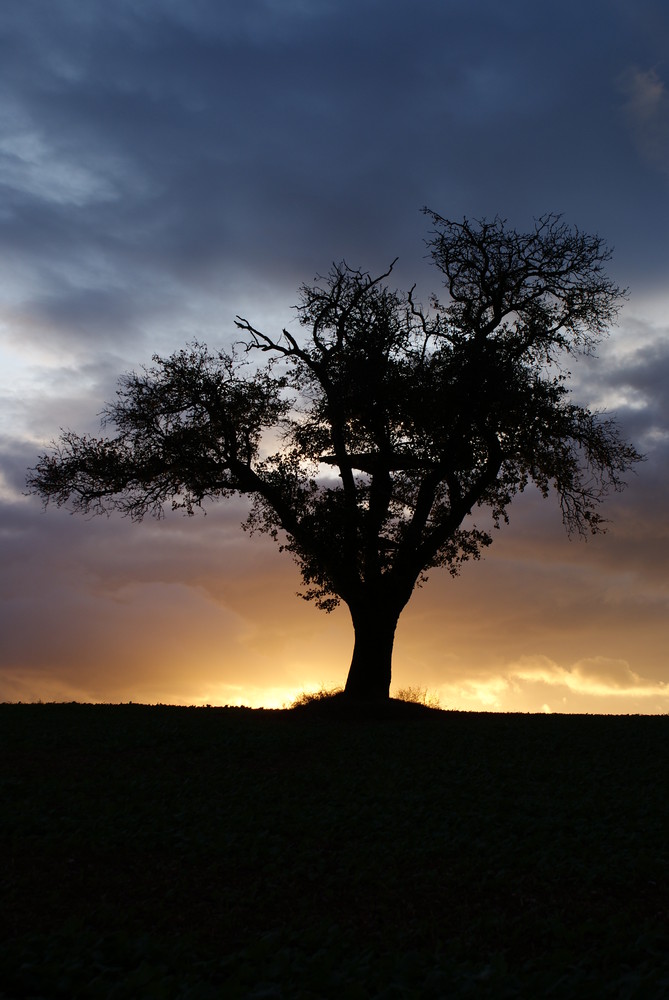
x,y
642,378
269,138
628,380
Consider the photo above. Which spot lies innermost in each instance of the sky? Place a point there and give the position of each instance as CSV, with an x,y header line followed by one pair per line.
x,y
165,166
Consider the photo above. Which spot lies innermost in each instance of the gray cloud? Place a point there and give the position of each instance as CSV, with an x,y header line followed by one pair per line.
x,y
228,132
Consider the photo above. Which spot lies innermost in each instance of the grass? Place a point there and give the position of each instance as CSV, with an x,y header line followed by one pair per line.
x,y
208,853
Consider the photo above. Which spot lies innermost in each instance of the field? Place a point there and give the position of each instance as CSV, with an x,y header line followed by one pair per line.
x,y
227,853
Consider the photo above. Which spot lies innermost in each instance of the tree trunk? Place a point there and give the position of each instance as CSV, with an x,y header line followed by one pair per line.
x,y
369,674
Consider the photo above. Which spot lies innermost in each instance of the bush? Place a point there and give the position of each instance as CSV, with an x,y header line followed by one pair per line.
x,y
418,696
308,697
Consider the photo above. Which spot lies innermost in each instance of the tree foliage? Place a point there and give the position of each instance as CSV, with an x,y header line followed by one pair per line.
x,y
368,441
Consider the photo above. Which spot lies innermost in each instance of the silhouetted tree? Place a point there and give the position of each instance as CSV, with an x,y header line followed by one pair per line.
x,y
368,443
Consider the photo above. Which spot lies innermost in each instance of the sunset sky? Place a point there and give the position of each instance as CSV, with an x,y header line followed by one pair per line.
x,y
166,165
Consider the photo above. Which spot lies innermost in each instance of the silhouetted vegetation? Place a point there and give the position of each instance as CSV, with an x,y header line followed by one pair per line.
x,y
409,703
419,418
207,853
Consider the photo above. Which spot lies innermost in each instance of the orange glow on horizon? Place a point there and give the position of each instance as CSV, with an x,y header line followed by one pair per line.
x,y
193,612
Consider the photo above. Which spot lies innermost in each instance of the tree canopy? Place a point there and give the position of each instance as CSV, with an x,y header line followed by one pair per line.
x,y
368,441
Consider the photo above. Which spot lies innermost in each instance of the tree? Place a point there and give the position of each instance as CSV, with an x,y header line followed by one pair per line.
x,y
368,443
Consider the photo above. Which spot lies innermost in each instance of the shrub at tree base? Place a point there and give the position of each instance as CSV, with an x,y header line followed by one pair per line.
x,y
337,704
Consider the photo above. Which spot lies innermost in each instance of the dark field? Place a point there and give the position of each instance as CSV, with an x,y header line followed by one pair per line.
x,y
205,853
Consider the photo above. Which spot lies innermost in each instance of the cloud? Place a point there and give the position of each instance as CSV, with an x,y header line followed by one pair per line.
x,y
537,683
646,109
597,675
